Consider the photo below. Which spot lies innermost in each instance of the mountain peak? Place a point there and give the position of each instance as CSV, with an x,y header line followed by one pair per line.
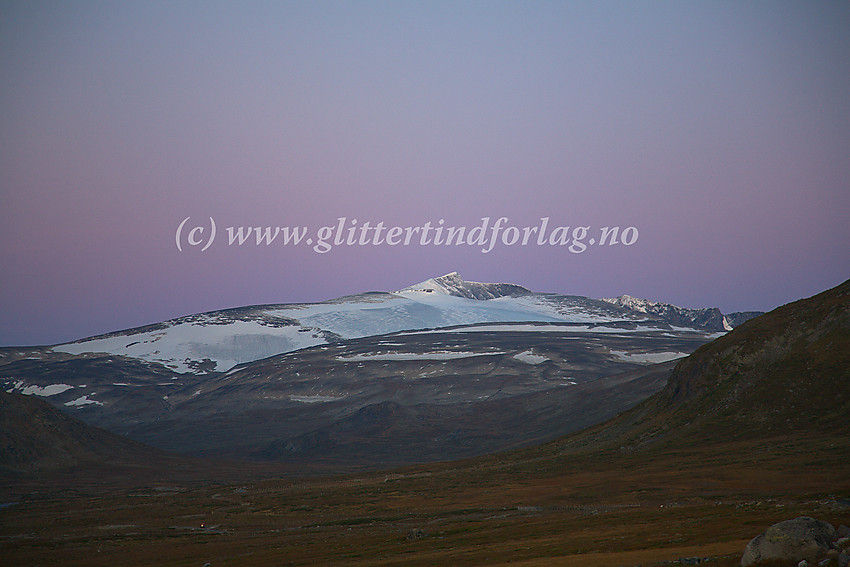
x,y
453,284
631,302
708,318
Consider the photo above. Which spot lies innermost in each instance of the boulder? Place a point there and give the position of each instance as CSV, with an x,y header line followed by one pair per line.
x,y
417,534
791,542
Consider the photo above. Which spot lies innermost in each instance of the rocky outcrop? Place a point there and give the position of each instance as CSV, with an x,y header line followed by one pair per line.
x,y
801,542
706,318
738,317
453,284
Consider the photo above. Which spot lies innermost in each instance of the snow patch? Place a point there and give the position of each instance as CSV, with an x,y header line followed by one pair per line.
x,y
543,329
83,401
315,399
41,391
647,357
530,358
436,355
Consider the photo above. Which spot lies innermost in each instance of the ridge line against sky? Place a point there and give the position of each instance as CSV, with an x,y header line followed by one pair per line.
x,y
718,131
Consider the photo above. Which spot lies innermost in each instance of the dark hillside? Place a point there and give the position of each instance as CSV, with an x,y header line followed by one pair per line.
x,y
44,450
35,437
784,372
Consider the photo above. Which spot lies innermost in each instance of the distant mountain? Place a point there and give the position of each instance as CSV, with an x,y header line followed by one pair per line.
x,y
467,390
453,284
457,368
471,367
706,318
783,373
216,341
219,340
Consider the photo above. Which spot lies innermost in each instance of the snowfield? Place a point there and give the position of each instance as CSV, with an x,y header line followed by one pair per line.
x,y
435,355
183,346
44,391
219,341
647,357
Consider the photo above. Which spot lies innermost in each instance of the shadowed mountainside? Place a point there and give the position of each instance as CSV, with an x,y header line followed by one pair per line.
x,y
44,450
785,372
36,437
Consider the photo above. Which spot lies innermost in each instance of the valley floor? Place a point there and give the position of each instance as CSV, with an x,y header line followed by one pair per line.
x,y
541,506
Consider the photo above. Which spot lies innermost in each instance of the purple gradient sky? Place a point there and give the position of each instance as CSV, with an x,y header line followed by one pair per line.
x,y
721,130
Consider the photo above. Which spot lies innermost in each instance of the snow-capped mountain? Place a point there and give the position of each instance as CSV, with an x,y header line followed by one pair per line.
x,y
453,284
706,318
391,399
426,372
217,341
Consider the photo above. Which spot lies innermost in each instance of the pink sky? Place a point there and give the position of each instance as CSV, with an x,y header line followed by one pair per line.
x,y
721,131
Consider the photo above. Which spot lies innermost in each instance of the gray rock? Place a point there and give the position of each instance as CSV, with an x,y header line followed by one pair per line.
x,y
843,543
843,559
416,534
790,541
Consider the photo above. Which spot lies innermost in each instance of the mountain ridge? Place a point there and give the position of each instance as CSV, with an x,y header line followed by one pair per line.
x,y
453,284
216,341
255,380
259,380
707,317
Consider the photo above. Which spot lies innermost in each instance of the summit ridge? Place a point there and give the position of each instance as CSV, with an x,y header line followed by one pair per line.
x,y
453,284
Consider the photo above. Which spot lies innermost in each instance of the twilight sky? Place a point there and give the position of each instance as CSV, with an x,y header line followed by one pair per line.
x,y
719,130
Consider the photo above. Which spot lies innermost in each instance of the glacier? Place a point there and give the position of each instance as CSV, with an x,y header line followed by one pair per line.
x,y
221,340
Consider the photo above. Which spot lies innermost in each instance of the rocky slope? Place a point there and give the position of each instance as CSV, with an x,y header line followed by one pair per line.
x,y
35,437
706,318
784,372
453,284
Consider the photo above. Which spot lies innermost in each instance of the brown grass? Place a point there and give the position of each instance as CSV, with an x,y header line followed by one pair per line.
x,y
532,507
